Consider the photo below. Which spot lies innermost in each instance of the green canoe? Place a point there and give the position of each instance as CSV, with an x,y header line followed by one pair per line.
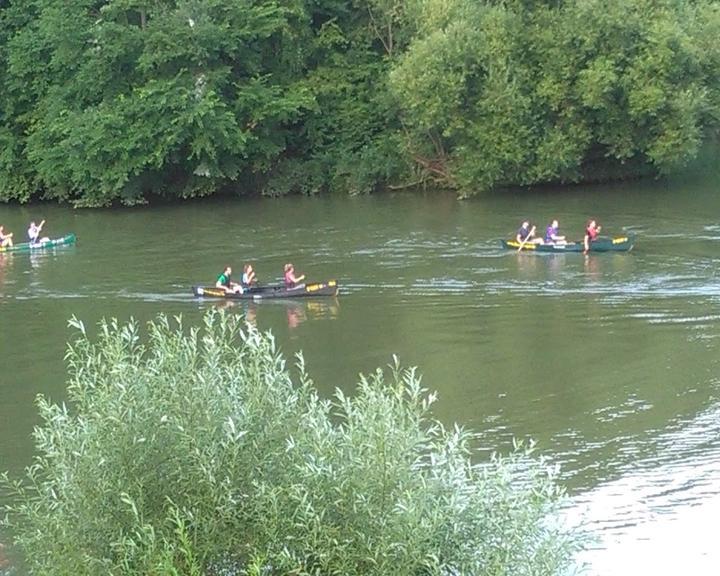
x,y
602,244
27,247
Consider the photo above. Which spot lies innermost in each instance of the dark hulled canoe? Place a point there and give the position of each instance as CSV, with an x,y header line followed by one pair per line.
x,y
27,247
329,288
602,244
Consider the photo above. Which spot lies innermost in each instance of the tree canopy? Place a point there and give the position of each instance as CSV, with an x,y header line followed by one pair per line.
x,y
119,100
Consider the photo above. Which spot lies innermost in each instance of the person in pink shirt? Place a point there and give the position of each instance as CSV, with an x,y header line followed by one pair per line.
x,y
291,281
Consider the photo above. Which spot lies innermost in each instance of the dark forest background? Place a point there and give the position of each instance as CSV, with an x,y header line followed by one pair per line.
x,y
106,102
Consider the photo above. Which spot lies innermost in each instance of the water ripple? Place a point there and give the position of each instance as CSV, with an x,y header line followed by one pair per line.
x,y
658,500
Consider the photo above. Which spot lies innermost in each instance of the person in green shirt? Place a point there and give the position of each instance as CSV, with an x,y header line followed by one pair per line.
x,y
225,282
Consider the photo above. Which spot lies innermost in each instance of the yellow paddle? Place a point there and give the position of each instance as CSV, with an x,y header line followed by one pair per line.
x,y
532,231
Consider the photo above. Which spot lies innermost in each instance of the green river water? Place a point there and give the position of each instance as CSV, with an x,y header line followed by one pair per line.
x,y
610,362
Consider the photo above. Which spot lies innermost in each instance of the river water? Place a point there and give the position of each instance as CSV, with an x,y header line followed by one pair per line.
x,y
609,362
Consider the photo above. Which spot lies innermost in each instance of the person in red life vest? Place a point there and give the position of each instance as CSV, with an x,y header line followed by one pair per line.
x,y
591,233
291,281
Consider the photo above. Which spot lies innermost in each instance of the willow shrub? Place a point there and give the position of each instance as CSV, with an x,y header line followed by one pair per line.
x,y
195,452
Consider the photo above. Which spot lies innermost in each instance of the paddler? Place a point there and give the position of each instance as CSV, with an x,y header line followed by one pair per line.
x,y
5,239
292,281
552,234
591,233
526,234
248,277
34,233
224,281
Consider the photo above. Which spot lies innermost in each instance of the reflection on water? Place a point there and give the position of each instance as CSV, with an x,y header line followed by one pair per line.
x,y
6,261
592,266
297,311
664,498
300,311
36,258
4,562
295,316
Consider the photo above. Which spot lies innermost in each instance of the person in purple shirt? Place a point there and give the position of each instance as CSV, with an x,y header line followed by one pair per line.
x,y
552,235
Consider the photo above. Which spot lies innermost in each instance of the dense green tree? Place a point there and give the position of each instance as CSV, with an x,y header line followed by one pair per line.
x,y
518,92
198,453
125,97
350,141
120,99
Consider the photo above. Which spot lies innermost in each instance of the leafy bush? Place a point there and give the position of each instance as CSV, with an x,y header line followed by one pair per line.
x,y
197,453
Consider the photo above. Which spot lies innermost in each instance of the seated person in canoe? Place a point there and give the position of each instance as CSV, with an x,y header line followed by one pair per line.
x,y
248,277
5,239
552,234
526,234
292,281
591,233
34,233
224,282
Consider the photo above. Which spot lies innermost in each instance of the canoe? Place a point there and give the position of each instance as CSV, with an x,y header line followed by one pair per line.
x,y
329,288
602,244
27,247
